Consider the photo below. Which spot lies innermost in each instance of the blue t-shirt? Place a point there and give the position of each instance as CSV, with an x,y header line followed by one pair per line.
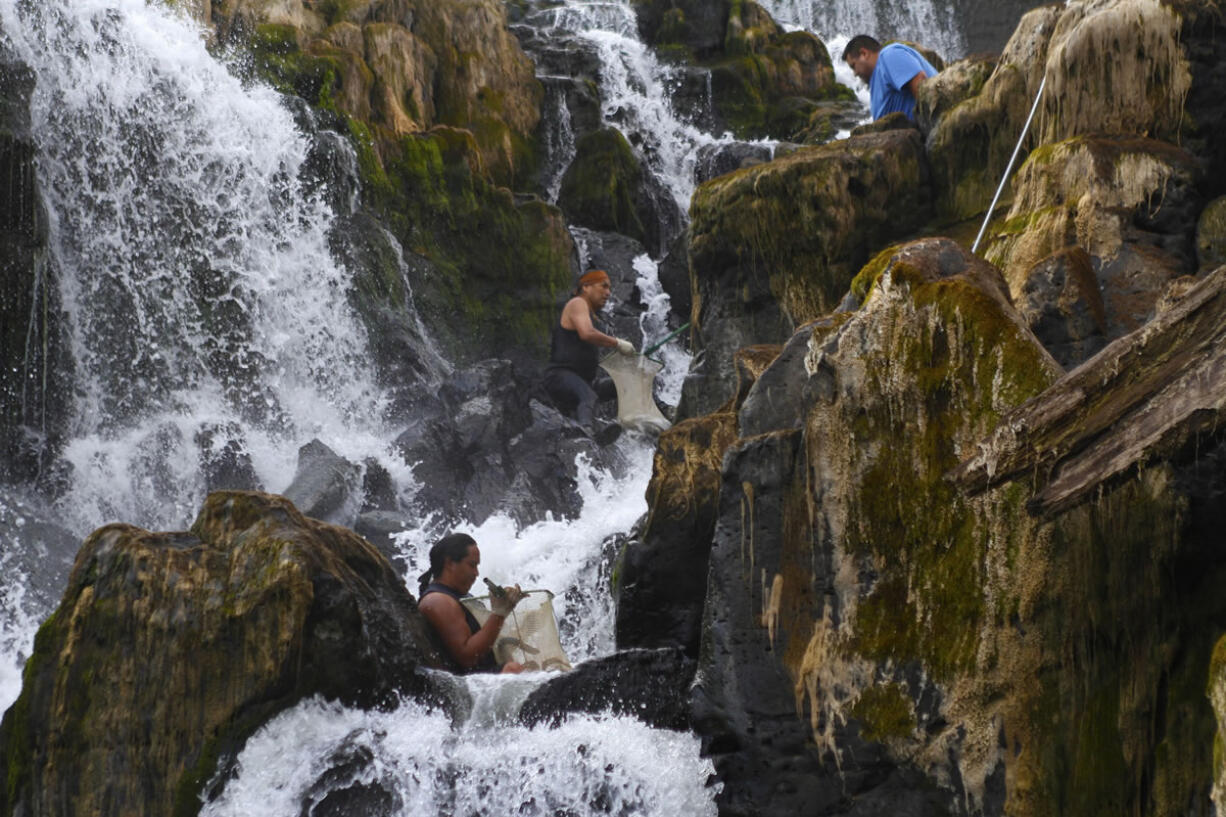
x,y
897,64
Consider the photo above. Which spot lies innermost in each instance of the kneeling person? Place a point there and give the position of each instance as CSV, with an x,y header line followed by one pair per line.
x,y
454,562
574,351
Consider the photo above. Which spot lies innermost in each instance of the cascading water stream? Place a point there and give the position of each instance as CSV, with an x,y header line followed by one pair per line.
x,y
637,89
921,21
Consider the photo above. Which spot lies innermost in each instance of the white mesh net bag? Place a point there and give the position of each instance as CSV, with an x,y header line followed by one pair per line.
x,y
529,635
635,376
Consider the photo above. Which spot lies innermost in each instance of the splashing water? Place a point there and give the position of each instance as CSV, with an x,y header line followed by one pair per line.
x,y
418,765
201,294
919,21
636,88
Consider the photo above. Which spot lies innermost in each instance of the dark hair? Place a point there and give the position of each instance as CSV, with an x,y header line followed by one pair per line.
x,y
860,41
452,547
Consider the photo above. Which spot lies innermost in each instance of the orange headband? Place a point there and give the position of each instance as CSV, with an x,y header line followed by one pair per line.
x,y
593,276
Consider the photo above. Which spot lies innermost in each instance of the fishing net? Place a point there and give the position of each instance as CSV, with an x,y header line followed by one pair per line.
x,y
635,376
530,635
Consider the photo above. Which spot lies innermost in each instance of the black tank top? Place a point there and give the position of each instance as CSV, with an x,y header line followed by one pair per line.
x,y
485,663
568,351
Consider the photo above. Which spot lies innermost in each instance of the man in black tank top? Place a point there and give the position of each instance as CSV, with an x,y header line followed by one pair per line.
x,y
574,351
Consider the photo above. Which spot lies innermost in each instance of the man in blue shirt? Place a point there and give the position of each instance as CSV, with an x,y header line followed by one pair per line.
x,y
893,74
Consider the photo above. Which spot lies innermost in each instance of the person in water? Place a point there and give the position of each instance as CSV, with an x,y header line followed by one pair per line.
x,y
572,377
893,74
454,562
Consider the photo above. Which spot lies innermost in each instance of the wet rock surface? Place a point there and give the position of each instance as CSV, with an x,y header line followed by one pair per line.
x,y
650,685
169,649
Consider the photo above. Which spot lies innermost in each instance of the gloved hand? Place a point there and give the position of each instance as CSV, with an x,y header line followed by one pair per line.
x,y
625,346
501,604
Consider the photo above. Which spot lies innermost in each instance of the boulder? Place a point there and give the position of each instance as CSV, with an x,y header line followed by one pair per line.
x,y
490,443
972,122
1211,235
169,649
650,685
1101,195
661,573
776,245
959,570
326,486
814,541
607,188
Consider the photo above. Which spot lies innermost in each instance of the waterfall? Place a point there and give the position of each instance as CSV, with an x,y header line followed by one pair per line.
x,y
637,89
919,21
206,310
201,294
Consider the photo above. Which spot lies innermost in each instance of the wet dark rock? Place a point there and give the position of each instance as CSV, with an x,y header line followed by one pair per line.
x,y
716,160
346,787
35,361
38,550
491,442
673,273
404,357
1063,305
651,685
378,528
767,254
224,459
326,486
607,187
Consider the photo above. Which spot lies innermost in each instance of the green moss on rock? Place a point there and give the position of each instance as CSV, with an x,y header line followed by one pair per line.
x,y
603,185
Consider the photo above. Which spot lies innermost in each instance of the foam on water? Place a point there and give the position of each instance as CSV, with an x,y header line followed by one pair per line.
x,y
589,765
920,21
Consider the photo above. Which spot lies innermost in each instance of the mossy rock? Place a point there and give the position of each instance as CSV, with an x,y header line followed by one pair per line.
x,y
1211,236
169,649
603,185
479,298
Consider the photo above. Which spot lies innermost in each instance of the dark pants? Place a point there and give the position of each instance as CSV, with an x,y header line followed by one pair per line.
x,y
576,396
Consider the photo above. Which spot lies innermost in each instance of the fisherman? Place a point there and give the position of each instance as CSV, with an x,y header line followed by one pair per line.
x,y
893,74
574,351
454,560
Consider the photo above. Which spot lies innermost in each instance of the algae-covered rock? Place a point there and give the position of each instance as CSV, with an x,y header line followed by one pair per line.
x,y
399,66
606,188
973,123
1129,203
1031,643
498,262
661,581
776,245
818,548
1211,235
169,649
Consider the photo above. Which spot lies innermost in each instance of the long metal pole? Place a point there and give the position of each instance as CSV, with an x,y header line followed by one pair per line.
x,y
1012,159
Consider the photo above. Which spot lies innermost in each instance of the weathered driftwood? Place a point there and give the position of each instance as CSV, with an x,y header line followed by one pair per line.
x,y
1142,398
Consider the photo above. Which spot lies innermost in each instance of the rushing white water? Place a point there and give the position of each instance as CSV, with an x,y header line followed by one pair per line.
x,y
921,21
590,765
200,290
636,88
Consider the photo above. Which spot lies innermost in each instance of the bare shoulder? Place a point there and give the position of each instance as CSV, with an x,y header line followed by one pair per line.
x,y
437,604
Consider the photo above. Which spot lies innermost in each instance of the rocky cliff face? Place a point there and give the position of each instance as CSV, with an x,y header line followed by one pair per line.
x,y
943,576
169,649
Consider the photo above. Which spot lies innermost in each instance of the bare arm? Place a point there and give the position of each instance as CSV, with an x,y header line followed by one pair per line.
x,y
447,617
575,316
914,84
